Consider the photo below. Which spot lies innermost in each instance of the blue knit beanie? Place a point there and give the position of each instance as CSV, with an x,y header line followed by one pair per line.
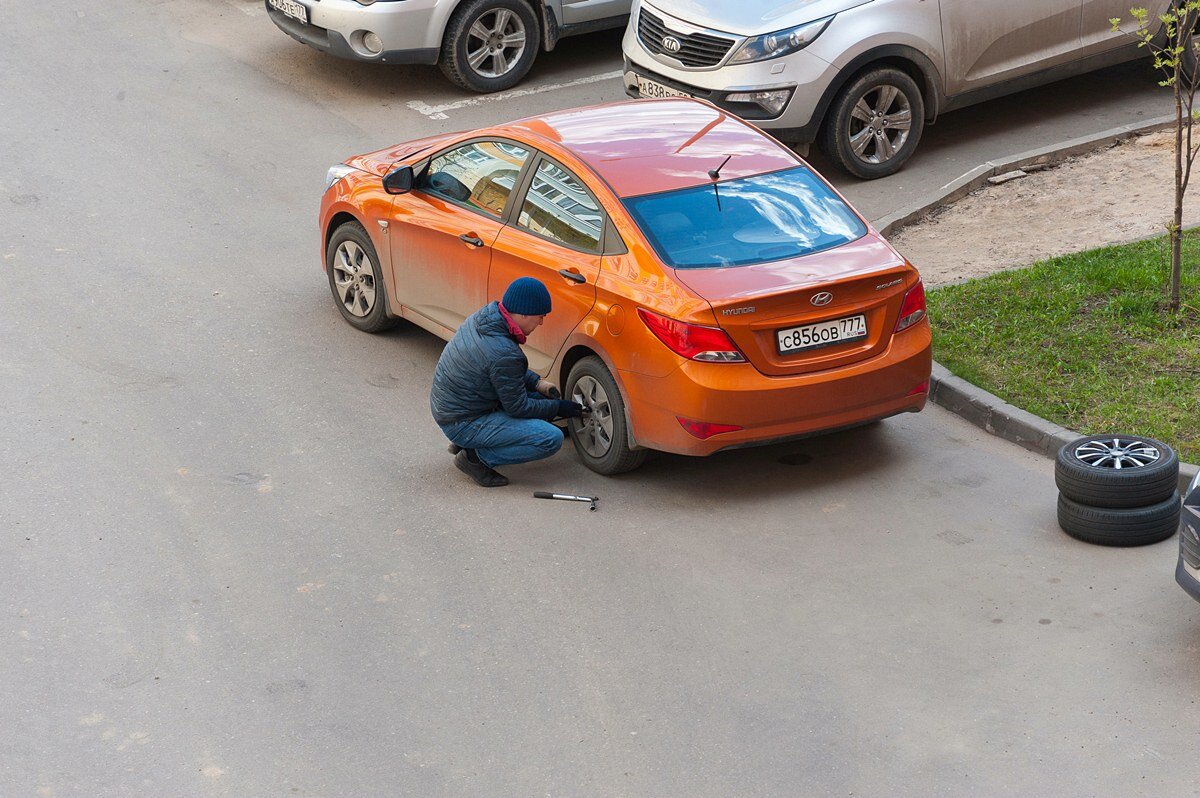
x,y
527,297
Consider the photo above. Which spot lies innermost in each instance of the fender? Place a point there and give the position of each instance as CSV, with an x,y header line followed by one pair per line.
x,y
580,338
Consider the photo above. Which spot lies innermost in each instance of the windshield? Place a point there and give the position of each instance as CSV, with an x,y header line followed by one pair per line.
x,y
760,219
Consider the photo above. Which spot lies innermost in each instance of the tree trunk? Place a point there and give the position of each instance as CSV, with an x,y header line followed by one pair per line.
x,y
1177,224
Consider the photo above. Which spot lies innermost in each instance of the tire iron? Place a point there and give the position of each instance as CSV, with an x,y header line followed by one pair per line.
x,y
567,497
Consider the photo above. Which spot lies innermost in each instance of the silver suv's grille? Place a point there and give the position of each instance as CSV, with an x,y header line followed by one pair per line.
x,y
695,50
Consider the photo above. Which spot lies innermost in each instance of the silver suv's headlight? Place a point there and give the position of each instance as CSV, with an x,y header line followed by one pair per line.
x,y
781,42
336,173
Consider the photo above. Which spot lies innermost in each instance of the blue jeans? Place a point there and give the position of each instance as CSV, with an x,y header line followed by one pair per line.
x,y
499,439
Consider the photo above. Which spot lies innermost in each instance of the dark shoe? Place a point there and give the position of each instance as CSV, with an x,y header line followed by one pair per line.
x,y
454,448
477,471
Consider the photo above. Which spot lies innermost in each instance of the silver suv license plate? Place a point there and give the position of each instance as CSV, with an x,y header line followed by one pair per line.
x,y
652,88
825,333
291,8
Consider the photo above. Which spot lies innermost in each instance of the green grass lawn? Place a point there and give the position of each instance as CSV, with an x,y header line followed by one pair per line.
x,y
1084,341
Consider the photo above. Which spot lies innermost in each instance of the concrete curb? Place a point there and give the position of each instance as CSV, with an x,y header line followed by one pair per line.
x,y
983,409
1045,156
991,413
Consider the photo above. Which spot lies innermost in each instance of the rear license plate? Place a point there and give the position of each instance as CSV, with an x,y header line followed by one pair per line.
x,y
652,88
825,333
291,8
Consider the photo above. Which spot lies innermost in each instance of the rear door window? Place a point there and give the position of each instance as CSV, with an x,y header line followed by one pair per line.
x,y
558,207
480,175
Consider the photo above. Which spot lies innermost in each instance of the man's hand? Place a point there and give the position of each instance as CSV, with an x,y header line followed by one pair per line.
x,y
568,409
548,389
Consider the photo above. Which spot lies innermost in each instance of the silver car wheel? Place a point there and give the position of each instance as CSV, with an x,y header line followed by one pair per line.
x,y
1117,453
879,124
595,432
354,278
498,39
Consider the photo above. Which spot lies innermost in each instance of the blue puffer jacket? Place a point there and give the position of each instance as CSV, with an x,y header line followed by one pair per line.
x,y
483,369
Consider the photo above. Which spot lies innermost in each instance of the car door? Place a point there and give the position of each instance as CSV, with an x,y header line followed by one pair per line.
x,y
442,232
987,42
555,235
1098,35
575,12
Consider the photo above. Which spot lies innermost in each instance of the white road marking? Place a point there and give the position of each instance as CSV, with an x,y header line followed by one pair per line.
x,y
439,111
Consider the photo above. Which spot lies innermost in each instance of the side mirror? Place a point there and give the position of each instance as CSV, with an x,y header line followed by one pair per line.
x,y
399,181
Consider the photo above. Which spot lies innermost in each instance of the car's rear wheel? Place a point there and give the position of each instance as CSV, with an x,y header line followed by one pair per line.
x,y
489,44
874,124
602,438
355,279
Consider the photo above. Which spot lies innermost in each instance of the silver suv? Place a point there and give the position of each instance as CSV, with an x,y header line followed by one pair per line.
x,y
482,45
863,77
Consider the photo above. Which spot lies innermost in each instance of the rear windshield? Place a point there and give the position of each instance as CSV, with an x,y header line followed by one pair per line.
x,y
760,219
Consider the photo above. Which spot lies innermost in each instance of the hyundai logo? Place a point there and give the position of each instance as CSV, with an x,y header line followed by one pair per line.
x,y
821,299
671,44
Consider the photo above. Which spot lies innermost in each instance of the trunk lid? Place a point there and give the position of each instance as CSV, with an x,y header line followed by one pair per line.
x,y
753,303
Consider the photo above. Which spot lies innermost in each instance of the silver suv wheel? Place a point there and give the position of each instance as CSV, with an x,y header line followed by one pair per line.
x,y
489,45
495,43
873,125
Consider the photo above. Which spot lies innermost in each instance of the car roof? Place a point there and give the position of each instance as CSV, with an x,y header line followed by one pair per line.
x,y
648,146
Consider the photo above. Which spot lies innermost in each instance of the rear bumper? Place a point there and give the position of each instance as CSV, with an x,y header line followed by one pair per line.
x,y
773,409
411,30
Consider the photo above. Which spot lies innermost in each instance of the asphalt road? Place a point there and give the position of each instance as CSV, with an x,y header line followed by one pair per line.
x,y
236,561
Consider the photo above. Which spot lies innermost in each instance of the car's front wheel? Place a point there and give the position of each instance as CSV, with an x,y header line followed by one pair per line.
x,y
874,124
602,437
489,44
355,279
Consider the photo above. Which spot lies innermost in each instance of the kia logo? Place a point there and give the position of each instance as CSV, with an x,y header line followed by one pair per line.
x,y
671,44
821,299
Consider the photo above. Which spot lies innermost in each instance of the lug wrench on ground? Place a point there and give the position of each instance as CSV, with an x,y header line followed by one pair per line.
x,y
567,497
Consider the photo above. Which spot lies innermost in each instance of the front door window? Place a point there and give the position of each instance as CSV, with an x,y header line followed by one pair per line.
x,y
480,175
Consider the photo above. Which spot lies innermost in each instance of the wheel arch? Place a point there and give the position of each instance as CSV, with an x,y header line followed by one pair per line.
x,y
337,220
907,59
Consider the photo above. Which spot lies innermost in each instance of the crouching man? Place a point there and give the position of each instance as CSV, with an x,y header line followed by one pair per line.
x,y
494,410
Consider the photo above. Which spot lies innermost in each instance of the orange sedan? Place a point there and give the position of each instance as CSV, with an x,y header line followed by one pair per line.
x,y
710,290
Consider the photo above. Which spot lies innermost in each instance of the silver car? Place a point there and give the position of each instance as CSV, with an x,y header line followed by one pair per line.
x,y
482,45
863,77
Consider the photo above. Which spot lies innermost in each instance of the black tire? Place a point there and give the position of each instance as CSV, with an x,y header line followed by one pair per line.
x,y
376,318
836,133
1133,526
1104,486
455,61
619,458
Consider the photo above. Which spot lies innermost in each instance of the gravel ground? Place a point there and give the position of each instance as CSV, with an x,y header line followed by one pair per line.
x,y
1113,196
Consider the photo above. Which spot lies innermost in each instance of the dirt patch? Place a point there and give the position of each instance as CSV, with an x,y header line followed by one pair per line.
x,y
1114,196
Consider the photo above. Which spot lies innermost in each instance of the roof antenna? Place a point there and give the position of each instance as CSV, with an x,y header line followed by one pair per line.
x,y
715,174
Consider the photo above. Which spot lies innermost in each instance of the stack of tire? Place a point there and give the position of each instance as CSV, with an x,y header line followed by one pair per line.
x,y
1117,490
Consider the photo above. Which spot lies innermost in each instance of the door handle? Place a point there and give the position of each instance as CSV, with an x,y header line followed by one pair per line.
x,y
573,276
474,241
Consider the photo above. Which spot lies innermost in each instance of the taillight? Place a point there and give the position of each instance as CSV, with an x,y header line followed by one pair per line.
x,y
913,309
703,429
707,344
922,388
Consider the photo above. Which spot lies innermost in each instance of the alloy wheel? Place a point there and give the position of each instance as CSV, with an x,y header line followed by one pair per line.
x,y
496,39
354,278
595,432
1117,453
879,124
